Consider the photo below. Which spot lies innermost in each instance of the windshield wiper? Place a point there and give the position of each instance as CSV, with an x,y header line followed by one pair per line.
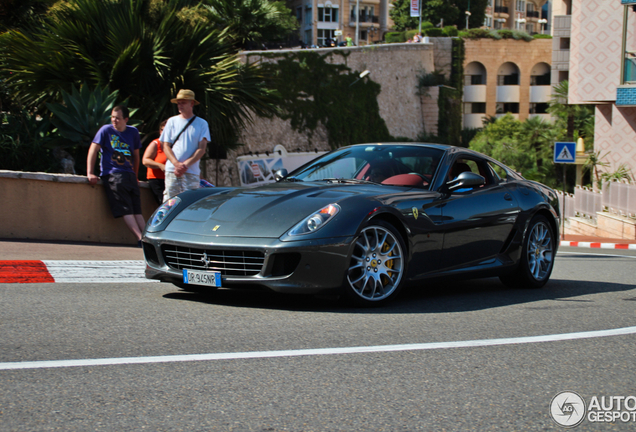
x,y
292,179
343,180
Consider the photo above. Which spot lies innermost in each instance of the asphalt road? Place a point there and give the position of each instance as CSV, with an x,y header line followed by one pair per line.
x,y
427,384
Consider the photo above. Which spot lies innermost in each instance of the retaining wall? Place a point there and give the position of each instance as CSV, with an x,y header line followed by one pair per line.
x,y
63,207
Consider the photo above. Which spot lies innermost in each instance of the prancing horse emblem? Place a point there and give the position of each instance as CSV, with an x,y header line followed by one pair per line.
x,y
216,227
206,261
415,212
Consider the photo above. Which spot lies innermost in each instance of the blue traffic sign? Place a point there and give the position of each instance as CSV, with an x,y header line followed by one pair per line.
x,y
564,152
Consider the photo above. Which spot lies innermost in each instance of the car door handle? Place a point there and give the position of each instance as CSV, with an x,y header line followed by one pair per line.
x,y
508,197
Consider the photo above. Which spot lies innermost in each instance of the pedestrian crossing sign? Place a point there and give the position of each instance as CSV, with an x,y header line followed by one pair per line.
x,y
564,152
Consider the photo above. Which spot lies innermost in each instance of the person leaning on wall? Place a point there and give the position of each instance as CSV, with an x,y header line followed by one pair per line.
x,y
118,147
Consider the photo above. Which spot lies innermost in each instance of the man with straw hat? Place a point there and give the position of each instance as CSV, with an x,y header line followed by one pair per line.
x,y
184,140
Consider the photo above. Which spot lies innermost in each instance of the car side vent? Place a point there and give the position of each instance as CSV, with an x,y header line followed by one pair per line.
x,y
284,264
506,244
150,253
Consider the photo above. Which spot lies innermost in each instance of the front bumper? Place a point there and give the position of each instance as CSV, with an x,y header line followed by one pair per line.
x,y
303,266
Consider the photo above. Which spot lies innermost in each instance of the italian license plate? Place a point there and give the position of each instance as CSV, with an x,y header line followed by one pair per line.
x,y
195,277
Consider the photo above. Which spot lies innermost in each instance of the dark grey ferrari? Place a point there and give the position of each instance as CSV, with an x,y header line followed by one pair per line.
x,y
365,219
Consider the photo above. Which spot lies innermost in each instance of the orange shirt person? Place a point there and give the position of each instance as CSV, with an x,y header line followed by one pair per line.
x,y
155,160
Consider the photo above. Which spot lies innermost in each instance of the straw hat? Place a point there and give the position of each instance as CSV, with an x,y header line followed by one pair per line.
x,y
185,95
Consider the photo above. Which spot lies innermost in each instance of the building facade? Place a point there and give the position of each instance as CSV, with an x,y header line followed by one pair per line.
x,y
603,73
506,77
323,20
526,15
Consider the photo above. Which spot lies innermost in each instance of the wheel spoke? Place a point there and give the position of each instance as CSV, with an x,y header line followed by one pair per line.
x,y
376,264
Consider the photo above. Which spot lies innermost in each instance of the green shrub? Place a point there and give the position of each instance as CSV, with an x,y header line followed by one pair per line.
x,y
408,35
475,33
434,32
450,31
395,37
542,36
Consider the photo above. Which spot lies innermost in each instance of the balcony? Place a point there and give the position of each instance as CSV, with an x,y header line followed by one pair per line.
x,y
501,10
474,121
540,94
364,19
533,14
475,93
508,93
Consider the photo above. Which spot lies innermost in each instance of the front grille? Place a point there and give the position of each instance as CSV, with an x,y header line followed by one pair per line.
x,y
228,262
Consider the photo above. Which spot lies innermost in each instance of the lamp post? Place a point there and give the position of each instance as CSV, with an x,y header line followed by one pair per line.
x,y
543,22
467,15
357,22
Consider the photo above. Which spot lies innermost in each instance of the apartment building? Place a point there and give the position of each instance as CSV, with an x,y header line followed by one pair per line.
x,y
526,15
506,77
321,20
603,72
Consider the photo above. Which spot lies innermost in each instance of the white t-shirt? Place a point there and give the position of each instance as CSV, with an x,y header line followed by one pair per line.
x,y
188,141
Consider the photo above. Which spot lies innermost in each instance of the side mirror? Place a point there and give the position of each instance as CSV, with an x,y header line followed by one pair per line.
x,y
465,180
280,174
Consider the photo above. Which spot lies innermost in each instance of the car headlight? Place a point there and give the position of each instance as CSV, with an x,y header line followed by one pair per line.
x,y
315,221
163,211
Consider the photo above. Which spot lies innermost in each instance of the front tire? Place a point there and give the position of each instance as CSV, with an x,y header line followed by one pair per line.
x,y
537,256
377,265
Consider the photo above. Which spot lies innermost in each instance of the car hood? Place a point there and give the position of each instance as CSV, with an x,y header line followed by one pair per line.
x,y
267,211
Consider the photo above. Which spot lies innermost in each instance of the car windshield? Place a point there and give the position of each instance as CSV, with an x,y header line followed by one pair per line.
x,y
398,165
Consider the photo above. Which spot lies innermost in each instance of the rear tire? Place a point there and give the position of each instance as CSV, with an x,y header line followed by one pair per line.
x,y
377,265
537,256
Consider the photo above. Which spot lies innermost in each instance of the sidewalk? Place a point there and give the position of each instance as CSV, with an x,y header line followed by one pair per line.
x,y
16,250
50,250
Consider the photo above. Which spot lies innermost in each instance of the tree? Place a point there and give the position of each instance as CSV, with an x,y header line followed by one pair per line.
x,y
19,13
144,49
252,22
526,146
451,11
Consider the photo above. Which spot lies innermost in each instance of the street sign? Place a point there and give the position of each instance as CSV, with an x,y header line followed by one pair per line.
x,y
564,152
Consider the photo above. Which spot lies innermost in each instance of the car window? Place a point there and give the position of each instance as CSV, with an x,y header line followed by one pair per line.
x,y
375,163
499,172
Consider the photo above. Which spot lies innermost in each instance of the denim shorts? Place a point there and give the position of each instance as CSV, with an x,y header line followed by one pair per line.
x,y
122,191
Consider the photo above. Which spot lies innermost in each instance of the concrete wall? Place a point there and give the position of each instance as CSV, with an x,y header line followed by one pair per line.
x,y
62,207
396,67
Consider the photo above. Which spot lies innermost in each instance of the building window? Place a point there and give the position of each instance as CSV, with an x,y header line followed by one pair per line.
x,y
539,108
323,35
540,80
629,47
327,14
504,80
507,107
475,108
299,14
473,80
366,14
564,43
530,29
488,21
521,6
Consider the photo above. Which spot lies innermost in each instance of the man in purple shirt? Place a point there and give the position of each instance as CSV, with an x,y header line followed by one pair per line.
x,y
118,146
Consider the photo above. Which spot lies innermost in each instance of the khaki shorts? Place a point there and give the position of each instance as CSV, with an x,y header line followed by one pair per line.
x,y
175,185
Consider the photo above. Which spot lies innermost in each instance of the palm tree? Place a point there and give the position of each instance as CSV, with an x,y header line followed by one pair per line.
x,y
251,22
145,49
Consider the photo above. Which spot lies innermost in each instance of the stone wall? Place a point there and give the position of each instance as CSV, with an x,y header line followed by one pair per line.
x,y
62,207
396,67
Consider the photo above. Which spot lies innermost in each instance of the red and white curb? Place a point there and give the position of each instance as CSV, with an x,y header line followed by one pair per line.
x,y
72,271
594,245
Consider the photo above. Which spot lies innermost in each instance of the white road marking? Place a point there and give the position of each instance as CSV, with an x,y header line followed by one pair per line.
x,y
315,352
97,271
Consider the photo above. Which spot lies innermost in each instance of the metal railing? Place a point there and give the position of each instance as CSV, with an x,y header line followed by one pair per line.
x,y
587,202
620,198
615,197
